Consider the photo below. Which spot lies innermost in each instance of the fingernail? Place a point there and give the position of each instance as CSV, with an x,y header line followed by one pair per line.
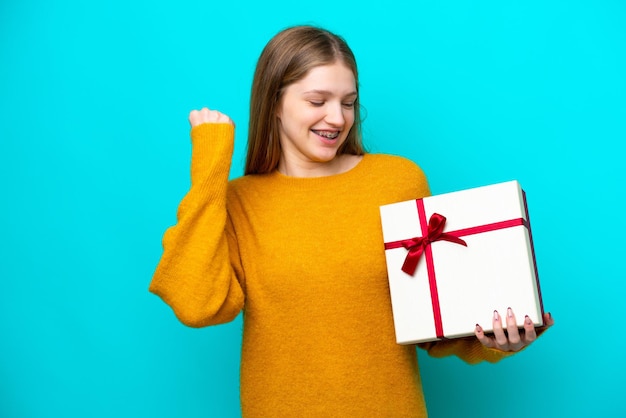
x,y
528,321
509,312
495,315
549,315
478,328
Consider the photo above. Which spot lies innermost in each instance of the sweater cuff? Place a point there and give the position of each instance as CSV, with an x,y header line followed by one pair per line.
x,y
212,150
493,355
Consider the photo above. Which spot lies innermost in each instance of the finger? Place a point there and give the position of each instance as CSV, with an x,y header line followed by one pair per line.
x,y
198,117
194,117
515,342
498,332
530,334
480,334
548,321
222,118
208,115
215,116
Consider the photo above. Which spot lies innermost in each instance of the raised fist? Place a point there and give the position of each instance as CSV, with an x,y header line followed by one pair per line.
x,y
205,115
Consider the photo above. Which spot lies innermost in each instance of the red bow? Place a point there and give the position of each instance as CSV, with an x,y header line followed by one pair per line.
x,y
416,246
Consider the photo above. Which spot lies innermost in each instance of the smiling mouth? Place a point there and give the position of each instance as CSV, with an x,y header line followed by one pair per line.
x,y
327,134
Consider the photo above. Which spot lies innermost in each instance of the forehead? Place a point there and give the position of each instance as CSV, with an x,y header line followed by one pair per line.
x,y
336,78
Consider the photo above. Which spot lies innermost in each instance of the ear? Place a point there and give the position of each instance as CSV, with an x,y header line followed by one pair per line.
x,y
279,108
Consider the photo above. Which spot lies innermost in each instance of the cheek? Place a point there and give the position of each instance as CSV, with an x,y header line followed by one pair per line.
x,y
349,118
309,117
290,120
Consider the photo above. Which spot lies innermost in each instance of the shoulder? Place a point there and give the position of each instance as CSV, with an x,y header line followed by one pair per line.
x,y
399,174
395,163
250,186
239,185
238,194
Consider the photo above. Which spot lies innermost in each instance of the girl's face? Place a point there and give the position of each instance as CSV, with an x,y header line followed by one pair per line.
x,y
316,114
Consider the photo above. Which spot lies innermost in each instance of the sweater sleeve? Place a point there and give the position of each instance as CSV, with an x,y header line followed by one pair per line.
x,y
195,275
467,349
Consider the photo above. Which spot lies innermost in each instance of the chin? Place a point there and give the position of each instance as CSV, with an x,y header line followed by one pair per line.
x,y
324,157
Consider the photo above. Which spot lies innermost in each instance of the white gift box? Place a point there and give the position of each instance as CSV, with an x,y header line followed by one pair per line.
x,y
452,280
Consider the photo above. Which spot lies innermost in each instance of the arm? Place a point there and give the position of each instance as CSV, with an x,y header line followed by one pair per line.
x,y
195,275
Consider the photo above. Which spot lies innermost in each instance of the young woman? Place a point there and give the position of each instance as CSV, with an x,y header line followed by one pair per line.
x,y
296,244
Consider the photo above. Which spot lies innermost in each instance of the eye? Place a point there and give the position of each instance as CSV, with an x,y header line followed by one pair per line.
x,y
348,105
316,103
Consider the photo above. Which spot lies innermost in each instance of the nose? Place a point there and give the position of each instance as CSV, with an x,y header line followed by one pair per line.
x,y
334,114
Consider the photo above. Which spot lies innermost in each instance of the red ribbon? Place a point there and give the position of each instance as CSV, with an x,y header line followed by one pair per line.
x,y
416,246
421,245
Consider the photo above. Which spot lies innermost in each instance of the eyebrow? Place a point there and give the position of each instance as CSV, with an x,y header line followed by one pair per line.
x,y
328,93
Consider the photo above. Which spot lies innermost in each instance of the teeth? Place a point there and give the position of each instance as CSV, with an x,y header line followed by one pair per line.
x,y
329,135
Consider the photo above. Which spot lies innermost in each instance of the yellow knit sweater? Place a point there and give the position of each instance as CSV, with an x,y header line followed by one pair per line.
x,y
304,259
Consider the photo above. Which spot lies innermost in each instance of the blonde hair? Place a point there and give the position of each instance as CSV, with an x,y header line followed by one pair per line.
x,y
286,59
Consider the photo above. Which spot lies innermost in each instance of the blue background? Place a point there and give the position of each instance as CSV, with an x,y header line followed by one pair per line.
x,y
94,158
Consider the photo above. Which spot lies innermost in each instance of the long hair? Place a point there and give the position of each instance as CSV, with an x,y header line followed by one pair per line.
x,y
286,59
